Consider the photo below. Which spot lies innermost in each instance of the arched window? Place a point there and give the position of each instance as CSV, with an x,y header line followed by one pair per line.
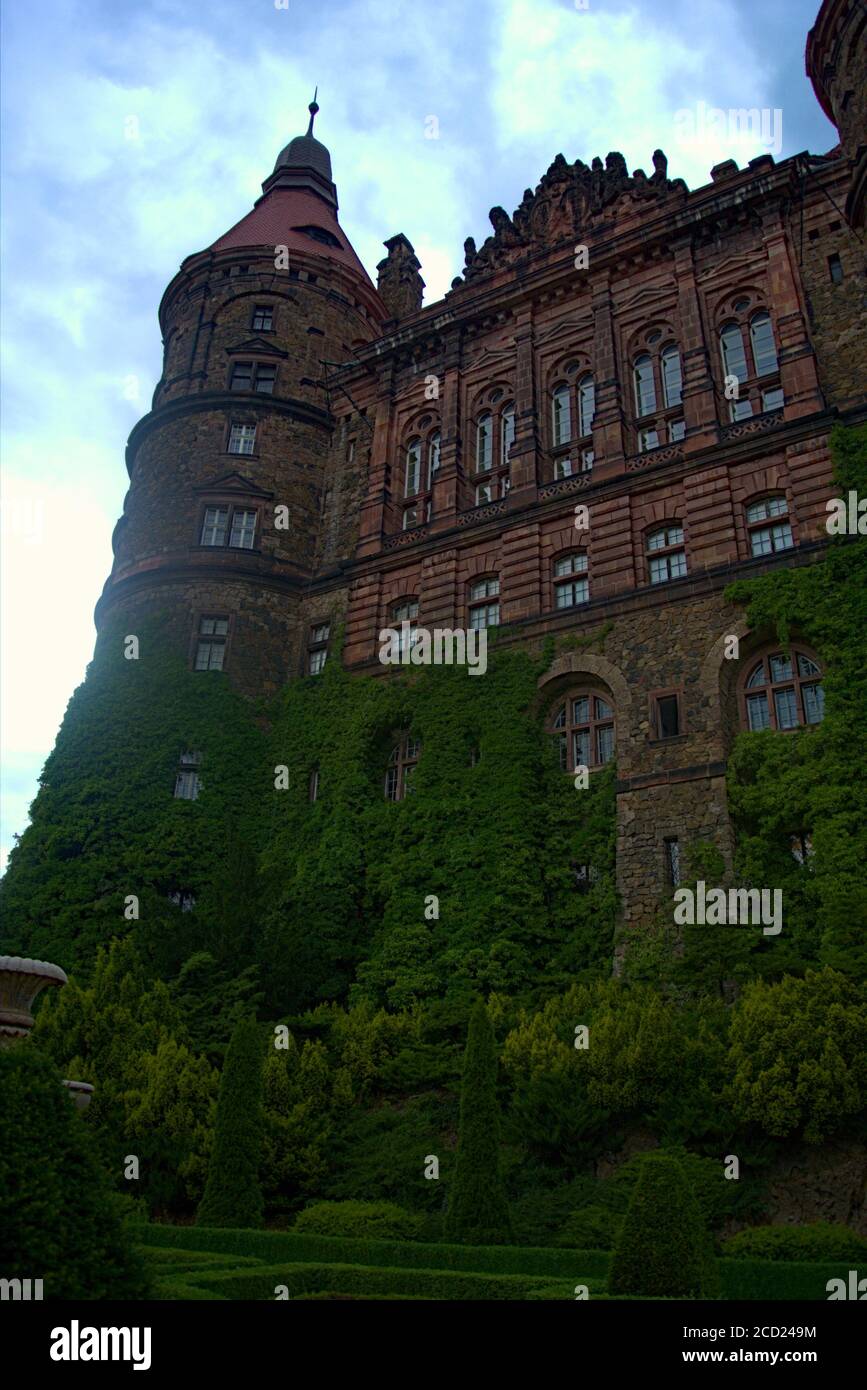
x,y
645,389
768,526
586,406
672,378
783,692
571,585
484,443
666,556
412,474
507,434
583,729
762,343
484,602
561,415
433,457
402,762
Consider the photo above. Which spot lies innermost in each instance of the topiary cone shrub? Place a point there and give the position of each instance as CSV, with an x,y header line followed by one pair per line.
x,y
663,1249
233,1190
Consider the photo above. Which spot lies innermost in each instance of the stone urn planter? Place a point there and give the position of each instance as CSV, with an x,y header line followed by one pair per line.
x,y
21,979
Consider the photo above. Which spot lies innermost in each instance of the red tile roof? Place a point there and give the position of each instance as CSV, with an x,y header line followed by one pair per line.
x,y
271,222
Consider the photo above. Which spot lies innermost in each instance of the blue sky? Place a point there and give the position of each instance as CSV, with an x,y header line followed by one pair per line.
x,y
136,133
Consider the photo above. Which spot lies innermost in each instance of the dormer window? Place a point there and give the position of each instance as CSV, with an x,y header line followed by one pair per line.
x,y
320,234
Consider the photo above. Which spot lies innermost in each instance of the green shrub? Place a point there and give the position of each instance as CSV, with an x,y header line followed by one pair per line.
x,y
478,1213
662,1247
593,1227
233,1193
260,1284
59,1223
816,1242
382,1220
768,1280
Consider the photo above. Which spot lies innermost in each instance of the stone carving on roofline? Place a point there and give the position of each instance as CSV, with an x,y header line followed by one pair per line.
x,y
568,200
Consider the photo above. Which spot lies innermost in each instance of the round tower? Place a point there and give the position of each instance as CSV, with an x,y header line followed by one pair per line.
x,y
220,523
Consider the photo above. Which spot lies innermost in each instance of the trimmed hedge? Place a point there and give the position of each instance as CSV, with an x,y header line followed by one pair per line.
x,y
260,1284
295,1247
661,1247
816,1242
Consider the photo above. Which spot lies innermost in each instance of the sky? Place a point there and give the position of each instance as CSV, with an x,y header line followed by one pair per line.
x,y
135,132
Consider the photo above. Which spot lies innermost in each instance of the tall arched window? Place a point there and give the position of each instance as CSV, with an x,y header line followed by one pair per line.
x,y
404,621
583,730
433,457
571,585
783,691
733,356
412,473
672,378
561,415
586,406
666,556
484,442
645,390
762,343
507,434
402,762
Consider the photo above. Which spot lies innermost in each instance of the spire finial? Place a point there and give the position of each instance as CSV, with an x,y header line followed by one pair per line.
x,y
312,108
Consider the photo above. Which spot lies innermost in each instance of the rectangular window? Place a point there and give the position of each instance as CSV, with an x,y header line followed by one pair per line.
x,y
786,709
647,440
485,615
604,745
187,785
211,646
484,493
676,431
266,375
319,633
581,747
242,439
410,517
667,716
672,862
263,318
570,595
814,703
741,410
587,458
391,784
758,714
316,661
214,526
835,269
242,376
773,399
243,530
563,468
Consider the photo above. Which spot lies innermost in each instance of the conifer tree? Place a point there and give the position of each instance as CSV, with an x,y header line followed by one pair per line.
x,y
663,1249
478,1212
233,1193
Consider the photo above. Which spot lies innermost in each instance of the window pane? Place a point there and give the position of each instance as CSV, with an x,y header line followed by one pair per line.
x,y
603,709
671,376
733,355
782,537
483,444
586,405
777,506
764,347
604,745
787,710
563,468
561,751
581,748
773,400
758,715
317,661
576,563
242,376
741,410
647,440
569,595
677,564
507,425
645,391
814,703
391,784
484,494
433,457
560,720
806,667
781,668
405,612
214,526
659,569
243,530
676,431
265,378
657,540
760,542
413,468
581,710
562,415
757,677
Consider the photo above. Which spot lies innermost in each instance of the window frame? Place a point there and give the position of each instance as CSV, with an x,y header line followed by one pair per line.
x,y
402,761
564,736
200,638
770,688
257,368
667,552
768,524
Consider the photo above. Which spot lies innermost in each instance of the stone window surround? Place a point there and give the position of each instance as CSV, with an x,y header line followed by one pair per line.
x,y
788,517
242,417
679,694
195,636
644,555
565,697
232,502
753,387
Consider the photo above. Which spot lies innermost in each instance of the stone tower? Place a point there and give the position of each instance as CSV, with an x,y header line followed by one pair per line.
x,y
224,521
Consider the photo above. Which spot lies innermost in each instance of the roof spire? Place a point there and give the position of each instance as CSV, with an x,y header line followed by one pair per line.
x,y
312,108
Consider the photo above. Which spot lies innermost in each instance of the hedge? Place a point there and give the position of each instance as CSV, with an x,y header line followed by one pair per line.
x,y
818,1241
260,1284
296,1247
778,1279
